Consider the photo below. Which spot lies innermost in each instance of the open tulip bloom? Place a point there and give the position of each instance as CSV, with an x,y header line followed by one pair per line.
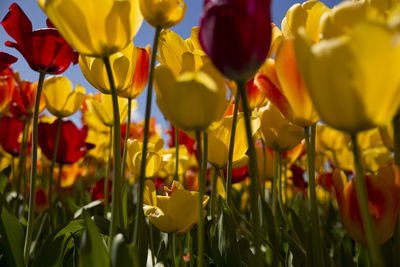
x,y
283,147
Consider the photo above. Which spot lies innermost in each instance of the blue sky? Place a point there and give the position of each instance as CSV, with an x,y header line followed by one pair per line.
x,y
144,37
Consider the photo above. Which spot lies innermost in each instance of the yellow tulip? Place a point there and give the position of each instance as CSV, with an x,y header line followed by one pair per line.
x,y
219,139
279,134
101,142
100,111
96,28
176,213
153,157
387,134
163,13
169,161
305,15
122,66
345,76
192,100
60,100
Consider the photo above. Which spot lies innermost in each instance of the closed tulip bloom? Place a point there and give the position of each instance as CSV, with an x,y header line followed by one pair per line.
x,y
7,87
10,131
24,99
280,135
122,66
218,142
71,146
43,49
345,75
6,60
163,13
60,100
176,212
141,74
153,157
192,100
383,202
387,133
95,28
236,35
169,162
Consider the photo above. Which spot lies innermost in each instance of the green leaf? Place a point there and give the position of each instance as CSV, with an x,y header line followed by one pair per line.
x,y
11,239
88,206
227,243
123,254
92,250
4,175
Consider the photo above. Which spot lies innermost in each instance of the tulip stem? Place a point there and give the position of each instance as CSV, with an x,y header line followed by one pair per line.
x,y
253,175
127,132
214,192
202,158
117,182
362,196
139,209
396,139
151,242
51,173
228,186
32,195
176,177
315,227
107,175
22,159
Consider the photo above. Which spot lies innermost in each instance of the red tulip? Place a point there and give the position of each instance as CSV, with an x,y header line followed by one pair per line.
x,y
24,99
6,60
236,35
238,174
97,191
184,139
43,49
71,146
10,131
7,86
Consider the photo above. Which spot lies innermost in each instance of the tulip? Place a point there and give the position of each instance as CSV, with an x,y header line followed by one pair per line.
x,y
72,145
183,139
236,35
122,66
10,131
218,142
6,60
97,191
141,74
193,100
164,14
169,162
60,100
7,86
341,77
96,28
24,99
383,202
255,95
280,135
175,213
44,49
153,157
42,201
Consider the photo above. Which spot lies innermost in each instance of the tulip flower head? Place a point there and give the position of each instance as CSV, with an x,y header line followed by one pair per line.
x,y
10,131
177,212
60,100
164,13
24,99
236,35
7,86
96,28
72,145
6,60
45,50
383,202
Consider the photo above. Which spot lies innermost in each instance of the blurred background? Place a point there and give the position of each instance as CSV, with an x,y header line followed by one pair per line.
x,y
144,37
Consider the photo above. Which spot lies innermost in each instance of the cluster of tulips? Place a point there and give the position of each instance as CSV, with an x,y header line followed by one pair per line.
x,y
283,150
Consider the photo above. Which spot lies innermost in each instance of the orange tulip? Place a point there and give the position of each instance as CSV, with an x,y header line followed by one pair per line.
x,y
7,85
384,198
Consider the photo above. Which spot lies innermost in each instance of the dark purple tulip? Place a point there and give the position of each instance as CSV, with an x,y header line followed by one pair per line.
x,y
236,35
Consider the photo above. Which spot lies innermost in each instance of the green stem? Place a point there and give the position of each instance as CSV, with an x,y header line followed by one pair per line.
x,y
396,139
253,175
32,196
151,242
22,161
117,182
214,198
181,251
59,183
362,196
139,209
107,174
176,177
202,158
274,186
316,236
51,173
228,187
126,138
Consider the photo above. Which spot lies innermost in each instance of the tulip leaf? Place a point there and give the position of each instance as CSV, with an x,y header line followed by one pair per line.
x,y
4,175
123,254
102,223
298,225
227,243
92,249
11,238
88,206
